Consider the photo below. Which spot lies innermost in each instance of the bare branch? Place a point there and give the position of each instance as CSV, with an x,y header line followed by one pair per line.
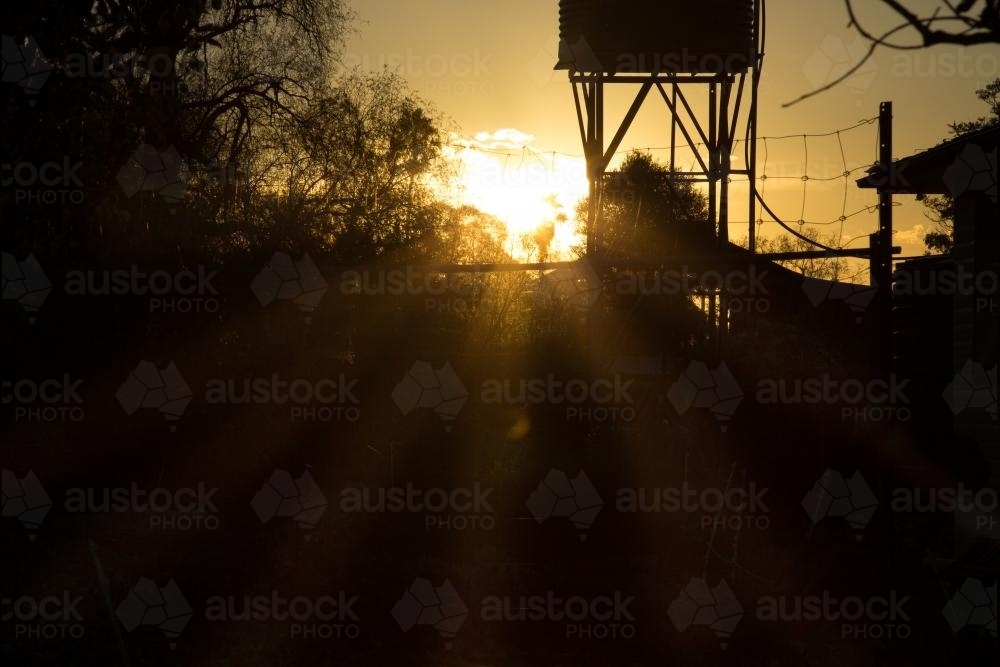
x,y
983,29
876,42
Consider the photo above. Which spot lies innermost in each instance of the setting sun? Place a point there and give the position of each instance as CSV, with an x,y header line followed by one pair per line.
x,y
502,175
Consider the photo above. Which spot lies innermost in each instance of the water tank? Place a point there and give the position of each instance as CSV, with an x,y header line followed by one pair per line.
x,y
656,36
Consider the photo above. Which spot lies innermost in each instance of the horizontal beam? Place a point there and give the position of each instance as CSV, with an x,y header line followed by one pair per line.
x,y
680,80
821,254
551,266
491,268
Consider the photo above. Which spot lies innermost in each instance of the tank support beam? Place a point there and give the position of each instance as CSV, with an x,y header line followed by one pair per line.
x,y
711,135
710,141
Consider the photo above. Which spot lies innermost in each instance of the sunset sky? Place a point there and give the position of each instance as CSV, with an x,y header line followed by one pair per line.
x,y
487,69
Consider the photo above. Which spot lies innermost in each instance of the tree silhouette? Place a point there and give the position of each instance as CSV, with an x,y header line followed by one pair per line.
x,y
204,79
823,269
648,210
651,220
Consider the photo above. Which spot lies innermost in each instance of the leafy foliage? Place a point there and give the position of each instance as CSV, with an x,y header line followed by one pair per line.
x,y
648,210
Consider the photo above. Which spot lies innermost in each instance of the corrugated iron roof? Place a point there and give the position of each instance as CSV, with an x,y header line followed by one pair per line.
x,y
925,172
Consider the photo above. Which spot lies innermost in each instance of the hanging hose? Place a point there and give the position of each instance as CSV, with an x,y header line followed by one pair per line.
x,y
753,185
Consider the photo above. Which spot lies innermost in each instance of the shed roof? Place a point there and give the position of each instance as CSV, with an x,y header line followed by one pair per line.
x,y
963,164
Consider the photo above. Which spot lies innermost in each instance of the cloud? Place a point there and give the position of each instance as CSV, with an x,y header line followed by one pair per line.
x,y
912,236
503,139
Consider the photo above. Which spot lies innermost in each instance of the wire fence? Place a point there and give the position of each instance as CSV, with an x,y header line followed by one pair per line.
x,y
844,172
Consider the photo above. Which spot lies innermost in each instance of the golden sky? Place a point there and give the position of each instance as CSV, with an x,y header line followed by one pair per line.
x,y
487,67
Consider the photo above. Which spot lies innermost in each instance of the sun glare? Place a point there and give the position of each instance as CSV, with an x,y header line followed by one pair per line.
x,y
500,174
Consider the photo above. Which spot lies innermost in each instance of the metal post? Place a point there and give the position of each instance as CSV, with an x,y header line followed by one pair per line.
x,y
590,103
713,154
725,150
713,194
752,167
755,67
601,167
673,129
882,250
884,268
